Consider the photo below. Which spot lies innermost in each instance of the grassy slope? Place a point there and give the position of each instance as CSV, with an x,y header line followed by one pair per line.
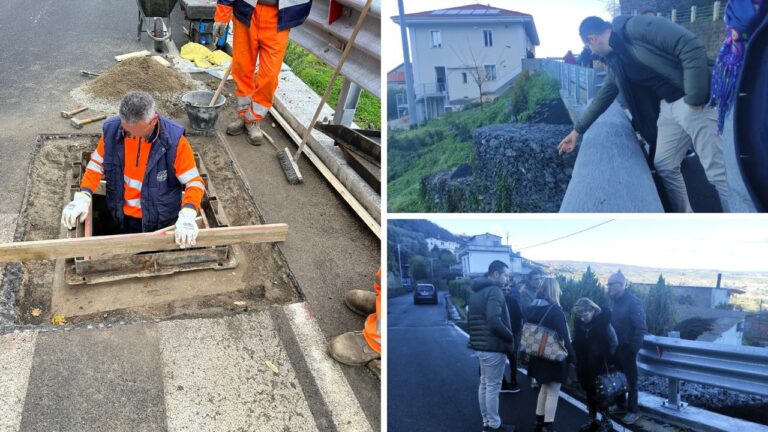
x,y
316,75
446,142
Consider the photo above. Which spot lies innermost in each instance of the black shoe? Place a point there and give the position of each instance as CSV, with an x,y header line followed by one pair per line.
x,y
502,428
539,423
510,388
589,427
548,427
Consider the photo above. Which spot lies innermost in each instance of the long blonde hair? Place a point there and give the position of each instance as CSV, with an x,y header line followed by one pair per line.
x,y
550,289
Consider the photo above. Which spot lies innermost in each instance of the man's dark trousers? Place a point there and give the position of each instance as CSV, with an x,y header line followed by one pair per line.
x,y
626,360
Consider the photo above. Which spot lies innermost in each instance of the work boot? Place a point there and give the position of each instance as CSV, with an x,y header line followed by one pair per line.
x,y
236,127
255,135
361,302
375,367
352,349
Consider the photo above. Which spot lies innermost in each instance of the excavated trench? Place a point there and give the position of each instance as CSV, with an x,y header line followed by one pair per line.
x,y
33,293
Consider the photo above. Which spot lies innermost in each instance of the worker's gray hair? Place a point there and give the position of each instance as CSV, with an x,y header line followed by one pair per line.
x,y
137,106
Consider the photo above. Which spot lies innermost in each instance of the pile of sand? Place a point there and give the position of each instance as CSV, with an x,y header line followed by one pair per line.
x,y
167,85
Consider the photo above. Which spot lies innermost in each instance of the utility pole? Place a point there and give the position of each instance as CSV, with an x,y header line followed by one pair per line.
x,y
409,92
399,263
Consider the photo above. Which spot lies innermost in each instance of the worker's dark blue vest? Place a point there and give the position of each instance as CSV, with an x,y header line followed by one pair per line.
x,y
287,16
160,191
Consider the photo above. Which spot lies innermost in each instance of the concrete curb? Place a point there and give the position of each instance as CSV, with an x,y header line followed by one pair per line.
x,y
296,102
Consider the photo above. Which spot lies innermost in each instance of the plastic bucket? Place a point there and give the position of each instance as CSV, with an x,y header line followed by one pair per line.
x,y
201,116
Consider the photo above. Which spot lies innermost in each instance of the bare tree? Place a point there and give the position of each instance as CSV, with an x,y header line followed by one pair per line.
x,y
475,65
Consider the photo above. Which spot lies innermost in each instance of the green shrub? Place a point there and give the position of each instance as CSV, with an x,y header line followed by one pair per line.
x,y
317,74
460,289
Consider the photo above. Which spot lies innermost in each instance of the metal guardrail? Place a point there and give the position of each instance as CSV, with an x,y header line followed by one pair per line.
x,y
327,30
577,82
732,367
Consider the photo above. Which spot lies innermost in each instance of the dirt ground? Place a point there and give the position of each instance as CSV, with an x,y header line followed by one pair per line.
x,y
266,279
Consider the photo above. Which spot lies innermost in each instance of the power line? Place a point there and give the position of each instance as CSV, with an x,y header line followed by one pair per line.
x,y
566,236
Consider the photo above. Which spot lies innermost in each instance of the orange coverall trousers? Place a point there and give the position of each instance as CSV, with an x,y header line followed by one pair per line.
x,y
372,330
260,41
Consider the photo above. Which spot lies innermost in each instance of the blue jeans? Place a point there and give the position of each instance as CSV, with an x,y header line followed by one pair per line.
x,y
492,366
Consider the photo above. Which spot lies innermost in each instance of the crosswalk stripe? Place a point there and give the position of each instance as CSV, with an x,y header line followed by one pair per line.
x,y
334,387
220,374
16,352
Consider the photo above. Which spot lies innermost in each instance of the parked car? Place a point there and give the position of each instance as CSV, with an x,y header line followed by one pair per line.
x,y
425,293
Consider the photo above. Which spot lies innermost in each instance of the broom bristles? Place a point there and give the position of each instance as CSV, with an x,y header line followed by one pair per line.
x,y
289,167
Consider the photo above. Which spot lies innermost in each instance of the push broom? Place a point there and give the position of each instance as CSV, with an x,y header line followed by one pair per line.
x,y
288,162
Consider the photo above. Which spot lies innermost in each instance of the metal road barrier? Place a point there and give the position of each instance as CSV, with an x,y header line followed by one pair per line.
x,y
579,83
731,367
326,31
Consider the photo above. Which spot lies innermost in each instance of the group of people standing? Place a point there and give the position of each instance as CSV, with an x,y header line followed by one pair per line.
x,y
604,338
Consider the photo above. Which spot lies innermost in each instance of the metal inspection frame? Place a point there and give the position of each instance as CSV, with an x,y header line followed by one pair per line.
x,y
94,270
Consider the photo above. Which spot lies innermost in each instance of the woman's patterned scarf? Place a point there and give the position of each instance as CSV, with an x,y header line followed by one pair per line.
x,y
740,20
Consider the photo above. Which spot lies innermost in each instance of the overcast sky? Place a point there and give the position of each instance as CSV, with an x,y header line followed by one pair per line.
x,y
557,22
671,242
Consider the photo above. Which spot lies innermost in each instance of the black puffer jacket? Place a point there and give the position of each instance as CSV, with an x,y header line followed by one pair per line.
x,y
594,343
489,324
546,371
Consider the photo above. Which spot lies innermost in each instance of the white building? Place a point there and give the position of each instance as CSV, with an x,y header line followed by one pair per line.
x,y
481,250
451,49
727,327
442,244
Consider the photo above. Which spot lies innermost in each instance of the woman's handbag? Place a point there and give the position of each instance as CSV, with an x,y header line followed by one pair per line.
x,y
539,341
609,385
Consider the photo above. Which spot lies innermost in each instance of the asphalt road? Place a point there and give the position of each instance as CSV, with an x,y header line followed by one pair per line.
x,y
433,377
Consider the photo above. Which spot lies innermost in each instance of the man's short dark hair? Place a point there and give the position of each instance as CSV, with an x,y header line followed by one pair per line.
x,y
593,26
496,266
535,272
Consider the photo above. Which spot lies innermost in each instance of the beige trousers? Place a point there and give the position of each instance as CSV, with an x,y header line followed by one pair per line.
x,y
546,405
679,127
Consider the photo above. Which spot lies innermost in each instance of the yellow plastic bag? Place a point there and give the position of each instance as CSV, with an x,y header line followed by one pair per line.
x,y
197,54
219,57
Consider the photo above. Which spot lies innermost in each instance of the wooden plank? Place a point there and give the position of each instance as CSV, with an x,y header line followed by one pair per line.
x,y
135,243
340,188
162,61
131,55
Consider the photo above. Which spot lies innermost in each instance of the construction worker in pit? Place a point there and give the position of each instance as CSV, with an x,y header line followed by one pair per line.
x,y
260,31
361,348
147,162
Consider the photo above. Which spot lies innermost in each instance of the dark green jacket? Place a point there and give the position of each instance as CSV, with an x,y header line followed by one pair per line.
x,y
668,49
488,317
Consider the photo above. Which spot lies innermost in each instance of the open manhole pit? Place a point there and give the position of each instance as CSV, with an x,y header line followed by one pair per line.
x,y
90,270
200,282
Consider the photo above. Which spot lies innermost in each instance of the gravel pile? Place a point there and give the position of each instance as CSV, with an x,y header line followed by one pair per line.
x,y
165,84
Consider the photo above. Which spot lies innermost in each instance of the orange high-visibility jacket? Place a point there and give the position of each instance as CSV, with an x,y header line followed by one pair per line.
x,y
137,151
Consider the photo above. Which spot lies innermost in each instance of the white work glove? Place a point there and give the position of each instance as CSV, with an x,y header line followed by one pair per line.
x,y
77,210
218,30
186,228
